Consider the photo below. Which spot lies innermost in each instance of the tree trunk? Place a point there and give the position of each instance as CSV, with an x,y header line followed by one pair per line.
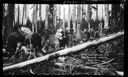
x,y
101,24
89,15
40,17
59,11
23,14
74,18
34,28
106,21
46,17
33,19
18,14
78,36
36,8
64,21
4,26
115,9
10,18
69,17
54,20
65,51
82,10
97,12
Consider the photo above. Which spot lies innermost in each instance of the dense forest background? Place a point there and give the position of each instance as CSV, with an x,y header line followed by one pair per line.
x,y
85,23
42,16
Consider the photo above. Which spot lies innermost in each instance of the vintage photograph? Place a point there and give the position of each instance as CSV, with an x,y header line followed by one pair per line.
x,y
63,39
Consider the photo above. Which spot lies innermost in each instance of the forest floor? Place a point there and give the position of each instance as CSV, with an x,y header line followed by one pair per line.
x,y
106,56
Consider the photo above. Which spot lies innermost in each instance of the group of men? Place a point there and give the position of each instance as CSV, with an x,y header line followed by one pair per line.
x,y
24,38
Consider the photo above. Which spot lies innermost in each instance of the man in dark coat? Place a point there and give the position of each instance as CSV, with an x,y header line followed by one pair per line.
x,y
12,40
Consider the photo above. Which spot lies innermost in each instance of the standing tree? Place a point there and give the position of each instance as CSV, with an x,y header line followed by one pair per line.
x,y
64,21
78,36
96,11
40,18
54,16
18,14
36,26
10,18
97,20
23,15
89,13
50,16
115,11
101,24
106,20
59,11
74,18
69,17
117,16
46,17
4,24
33,19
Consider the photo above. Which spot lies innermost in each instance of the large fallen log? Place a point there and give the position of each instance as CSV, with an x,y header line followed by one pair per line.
x,y
64,51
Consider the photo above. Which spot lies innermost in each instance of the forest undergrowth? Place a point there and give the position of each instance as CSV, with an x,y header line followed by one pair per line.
x,y
103,58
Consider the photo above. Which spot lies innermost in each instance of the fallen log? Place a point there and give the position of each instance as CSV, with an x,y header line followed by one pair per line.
x,y
89,69
64,51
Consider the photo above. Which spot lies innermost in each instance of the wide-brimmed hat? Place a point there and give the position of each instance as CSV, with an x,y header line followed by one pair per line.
x,y
26,30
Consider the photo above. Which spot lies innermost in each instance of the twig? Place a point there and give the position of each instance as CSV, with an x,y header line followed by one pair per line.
x,y
105,62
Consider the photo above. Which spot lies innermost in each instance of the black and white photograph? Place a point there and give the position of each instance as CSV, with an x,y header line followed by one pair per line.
x,y
63,39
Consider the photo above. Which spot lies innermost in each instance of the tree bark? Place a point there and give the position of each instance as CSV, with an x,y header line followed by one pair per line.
x,y
65,51
97,12
40,17
69,17
74,18
10,18
18,14
89,15
106,16
64,21
54,20
23,14
78,36
36,8
46,17
33,19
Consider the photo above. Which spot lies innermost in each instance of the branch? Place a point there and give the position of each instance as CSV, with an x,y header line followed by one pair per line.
x,y
89,69
64,52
